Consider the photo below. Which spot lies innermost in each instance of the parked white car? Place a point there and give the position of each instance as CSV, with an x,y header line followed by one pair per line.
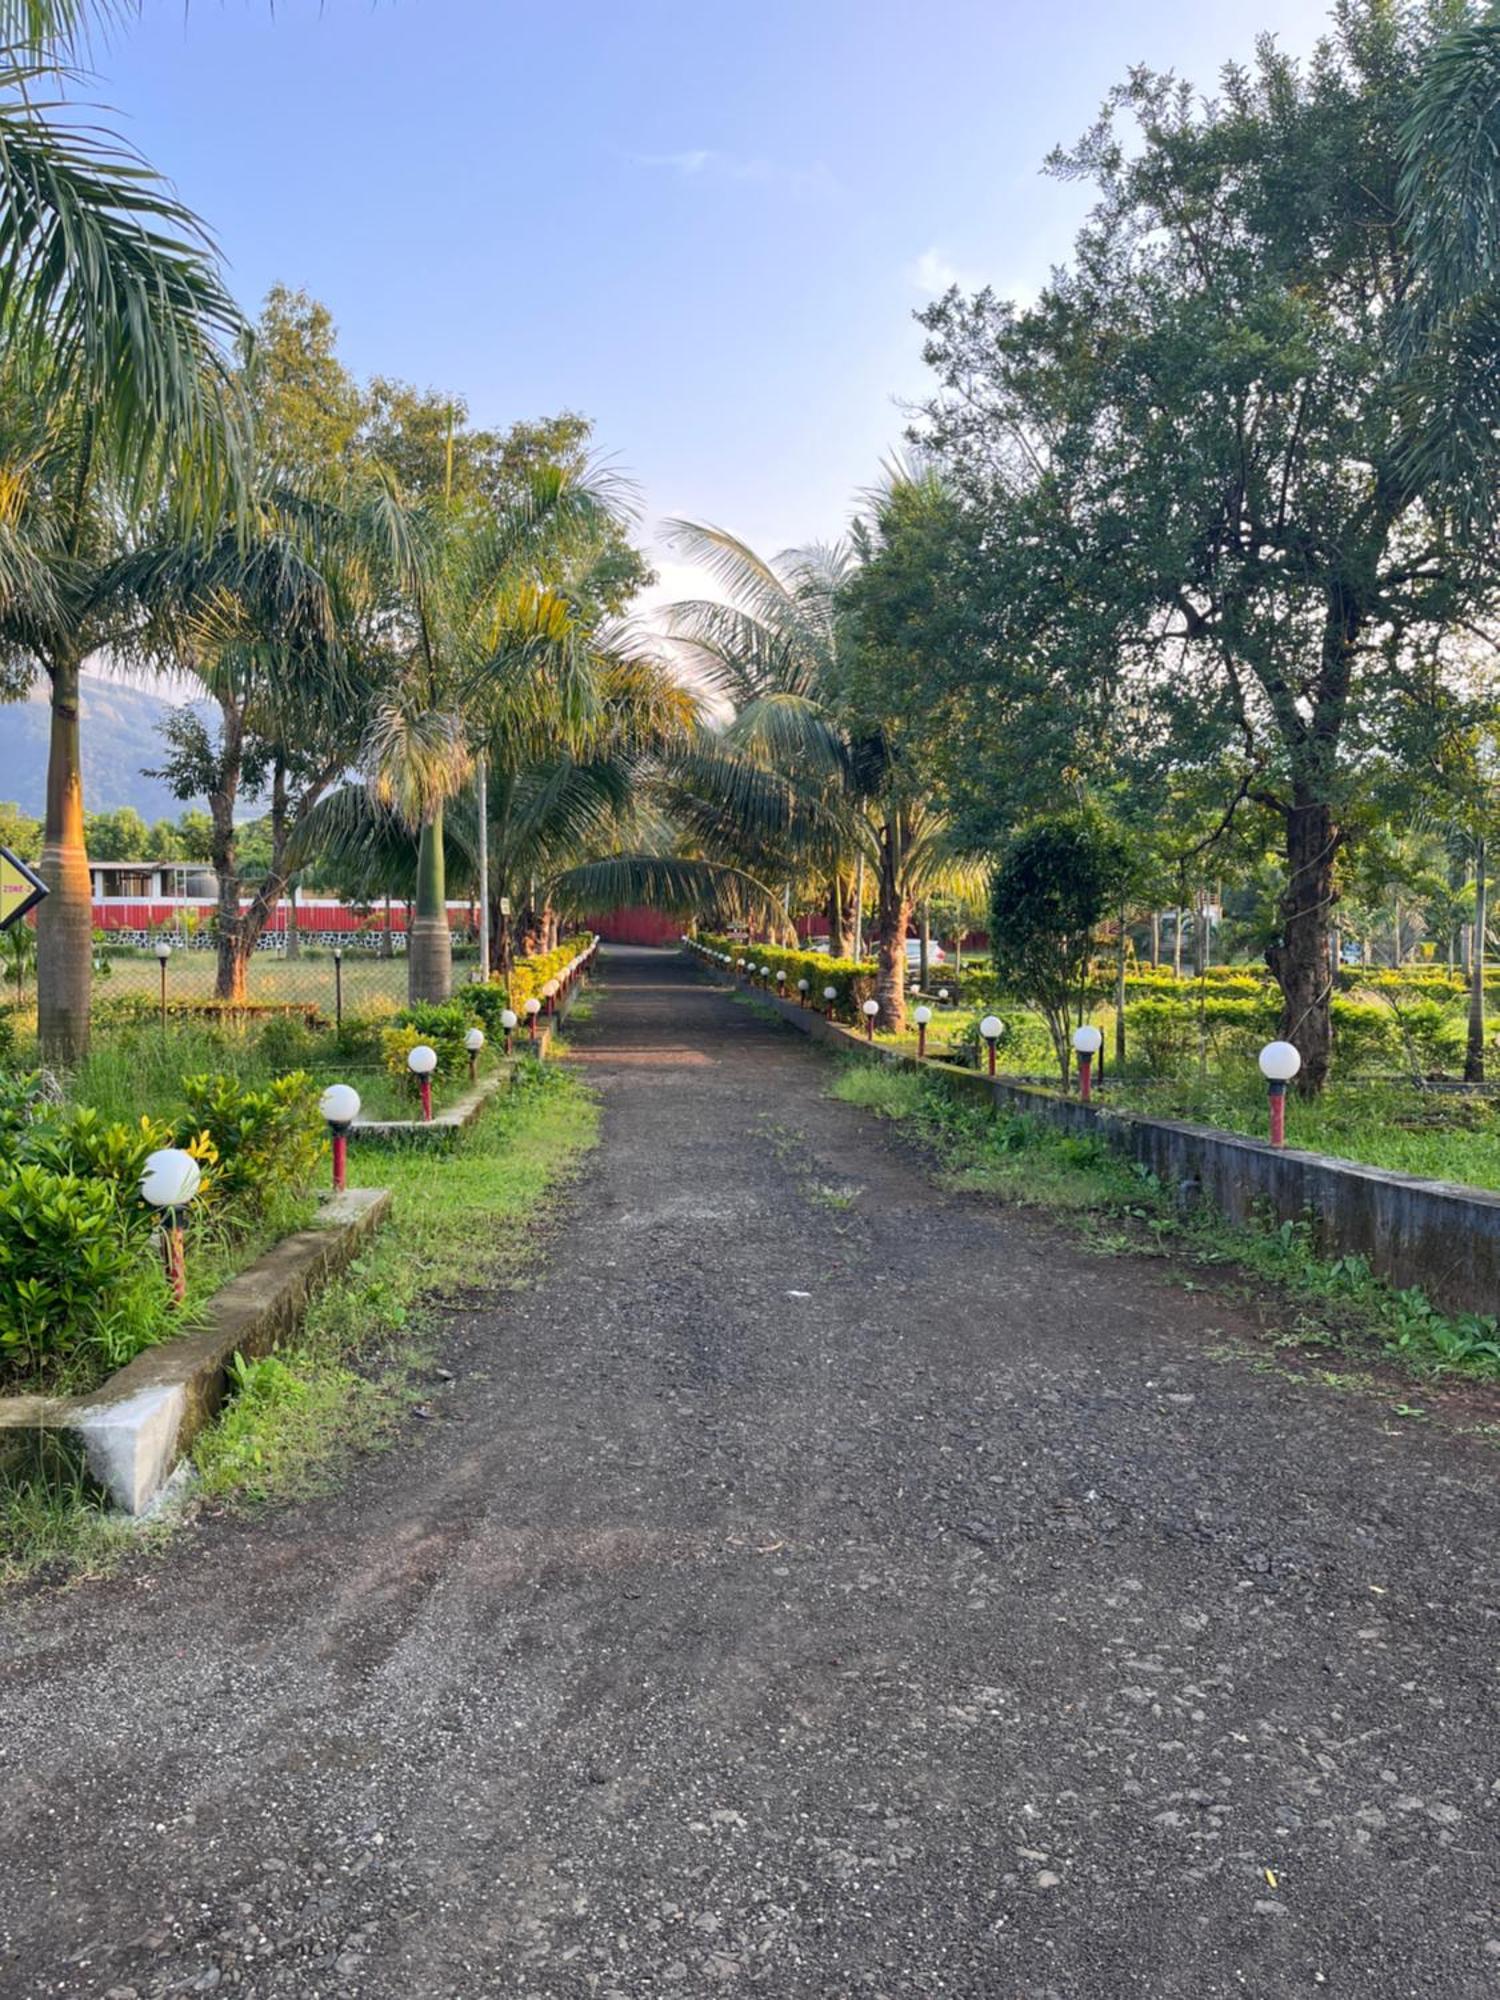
x,y
935,954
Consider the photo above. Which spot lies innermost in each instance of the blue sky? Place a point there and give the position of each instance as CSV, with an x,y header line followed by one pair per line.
x,y
706,226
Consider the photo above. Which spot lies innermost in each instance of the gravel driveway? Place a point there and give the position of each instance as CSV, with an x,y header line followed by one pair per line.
x,y
816,1584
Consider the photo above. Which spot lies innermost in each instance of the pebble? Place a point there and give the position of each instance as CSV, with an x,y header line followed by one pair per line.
x,y
1047,1880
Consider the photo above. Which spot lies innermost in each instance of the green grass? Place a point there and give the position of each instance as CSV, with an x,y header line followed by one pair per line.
x,y
352,1373
1439,1136
1336,1305
349,1380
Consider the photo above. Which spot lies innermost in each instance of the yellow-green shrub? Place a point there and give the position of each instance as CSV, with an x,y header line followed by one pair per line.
x,y
853,978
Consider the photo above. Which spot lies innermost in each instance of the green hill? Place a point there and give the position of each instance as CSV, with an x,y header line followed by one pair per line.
x,y
120,742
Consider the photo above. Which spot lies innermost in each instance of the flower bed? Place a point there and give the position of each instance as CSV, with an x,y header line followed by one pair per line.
x,y
82,1286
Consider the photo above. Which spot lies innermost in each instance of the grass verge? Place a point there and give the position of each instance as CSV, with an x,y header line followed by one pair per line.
x,y
354,1372
1334,1305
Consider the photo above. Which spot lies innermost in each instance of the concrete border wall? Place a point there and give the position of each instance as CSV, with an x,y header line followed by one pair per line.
x,y
1438,1235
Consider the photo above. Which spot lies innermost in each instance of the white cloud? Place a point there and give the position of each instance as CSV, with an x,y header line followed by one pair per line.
x,y
934,272
702,163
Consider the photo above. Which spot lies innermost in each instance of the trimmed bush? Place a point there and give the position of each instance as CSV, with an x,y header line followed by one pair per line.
x,y
854,978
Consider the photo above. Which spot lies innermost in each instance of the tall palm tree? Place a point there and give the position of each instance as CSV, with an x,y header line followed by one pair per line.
x,y
490,604
851,793
1450,192
116,385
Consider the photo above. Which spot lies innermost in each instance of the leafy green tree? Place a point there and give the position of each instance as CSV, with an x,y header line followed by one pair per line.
x,y
1200,433
1058,881
19,831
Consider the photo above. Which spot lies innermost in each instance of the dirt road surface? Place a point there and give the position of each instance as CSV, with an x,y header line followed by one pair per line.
x,y
816,1584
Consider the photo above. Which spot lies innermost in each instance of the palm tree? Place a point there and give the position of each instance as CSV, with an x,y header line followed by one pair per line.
x,y
490,604
1450,192
840,788
115,385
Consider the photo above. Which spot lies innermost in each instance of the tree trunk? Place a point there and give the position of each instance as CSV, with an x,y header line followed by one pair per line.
x,y
1177,942
429,952
1155,940
925,953
838,935
859,908
387,944
1120,991
1474,1052
293,936
892,919
230,958
1299,961
64,917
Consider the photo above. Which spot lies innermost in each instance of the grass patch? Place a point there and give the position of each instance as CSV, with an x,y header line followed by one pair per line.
x,y
1334,1304
353,1374
1436,1135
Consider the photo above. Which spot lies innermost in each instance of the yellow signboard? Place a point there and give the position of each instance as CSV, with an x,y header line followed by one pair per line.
x,y
20,889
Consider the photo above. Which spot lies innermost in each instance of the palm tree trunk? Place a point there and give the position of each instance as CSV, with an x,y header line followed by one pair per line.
x,y
1474,1053
892,919
838,936
65,917
429,960
926,951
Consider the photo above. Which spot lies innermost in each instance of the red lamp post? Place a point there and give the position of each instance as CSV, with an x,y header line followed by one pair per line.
x,y
1087,1042
339,1105
991,1028
922,1015
1279,1063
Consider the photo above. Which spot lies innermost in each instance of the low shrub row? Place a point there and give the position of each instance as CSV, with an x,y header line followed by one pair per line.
x,y
444,1027
852,979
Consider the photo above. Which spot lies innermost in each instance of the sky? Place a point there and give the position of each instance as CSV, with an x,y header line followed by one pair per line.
x,y
706,226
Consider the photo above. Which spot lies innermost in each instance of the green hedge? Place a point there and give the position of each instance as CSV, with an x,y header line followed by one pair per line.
x,y
853,979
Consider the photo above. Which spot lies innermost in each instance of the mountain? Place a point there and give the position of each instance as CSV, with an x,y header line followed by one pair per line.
x,y
120,742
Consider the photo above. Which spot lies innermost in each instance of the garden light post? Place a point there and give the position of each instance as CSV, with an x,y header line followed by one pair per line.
x,y
1087,1043
1279,1063
781,982
339,1105
765,977
163,953
509,1021
169,1181
338,987
942,996
422,1062
870,1009
549,994
921,1015
474,1042
830,994
532,1008
991,1028
802,992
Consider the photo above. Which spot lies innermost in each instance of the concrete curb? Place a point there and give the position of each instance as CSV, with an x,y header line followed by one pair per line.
x,y
446,1126
1439,1235
141,1421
